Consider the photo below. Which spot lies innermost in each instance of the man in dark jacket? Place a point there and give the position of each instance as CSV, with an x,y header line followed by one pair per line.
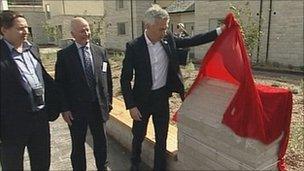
x,y
83,72
28,97
153,61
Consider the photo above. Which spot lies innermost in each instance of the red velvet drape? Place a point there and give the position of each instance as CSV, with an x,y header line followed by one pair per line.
x,y
257,111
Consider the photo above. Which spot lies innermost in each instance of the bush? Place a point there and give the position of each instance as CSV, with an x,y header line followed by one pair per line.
x,y
249,26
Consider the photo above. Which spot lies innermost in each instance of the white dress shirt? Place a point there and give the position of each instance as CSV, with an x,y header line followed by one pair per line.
x,y
159,63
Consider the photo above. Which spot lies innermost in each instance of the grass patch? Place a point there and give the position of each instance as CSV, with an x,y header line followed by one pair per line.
x,y
49,60
117,56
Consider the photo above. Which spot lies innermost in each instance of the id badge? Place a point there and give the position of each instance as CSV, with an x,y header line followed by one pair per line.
x,y
104,66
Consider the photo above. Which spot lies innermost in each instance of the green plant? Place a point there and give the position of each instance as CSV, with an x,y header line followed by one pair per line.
x,y
51,31
117,56
190,67
249,26
97,30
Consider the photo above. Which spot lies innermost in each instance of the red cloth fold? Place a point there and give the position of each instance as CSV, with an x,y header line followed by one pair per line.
x,y
259,112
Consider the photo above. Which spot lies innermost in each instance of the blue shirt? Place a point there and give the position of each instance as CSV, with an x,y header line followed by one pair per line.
x,y
30,70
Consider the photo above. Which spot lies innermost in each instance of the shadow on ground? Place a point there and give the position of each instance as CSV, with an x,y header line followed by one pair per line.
x,y
118,156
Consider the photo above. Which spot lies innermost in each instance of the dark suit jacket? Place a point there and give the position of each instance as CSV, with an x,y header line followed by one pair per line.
x,y
137,59
15,99
71,78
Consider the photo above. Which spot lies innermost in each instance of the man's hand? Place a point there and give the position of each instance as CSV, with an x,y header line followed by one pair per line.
x,y
223,27
67,117
135,114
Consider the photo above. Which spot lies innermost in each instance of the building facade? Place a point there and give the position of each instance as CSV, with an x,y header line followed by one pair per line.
x,y
124,21
60,13
282,27
114,22
34,12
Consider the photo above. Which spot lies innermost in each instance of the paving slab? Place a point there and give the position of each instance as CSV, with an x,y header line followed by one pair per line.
x,y
118,156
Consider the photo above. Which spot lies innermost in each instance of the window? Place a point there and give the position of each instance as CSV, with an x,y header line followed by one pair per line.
x,y
119,4
24,2
121,28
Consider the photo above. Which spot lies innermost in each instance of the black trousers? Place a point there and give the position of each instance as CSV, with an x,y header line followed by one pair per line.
x,y
158,107
78,130
37,141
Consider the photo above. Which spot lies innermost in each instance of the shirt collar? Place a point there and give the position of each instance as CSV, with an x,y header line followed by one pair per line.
x,y
26,45
80,46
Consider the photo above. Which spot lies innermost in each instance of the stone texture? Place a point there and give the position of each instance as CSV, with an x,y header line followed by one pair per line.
x,y
207,143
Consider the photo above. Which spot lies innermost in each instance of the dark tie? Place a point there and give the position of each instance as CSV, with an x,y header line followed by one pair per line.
x,y
88,69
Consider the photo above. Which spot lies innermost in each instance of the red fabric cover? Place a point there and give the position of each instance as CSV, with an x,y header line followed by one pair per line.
x,y
259,112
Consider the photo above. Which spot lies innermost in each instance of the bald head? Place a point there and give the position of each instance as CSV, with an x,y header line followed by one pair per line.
x,y
78,22
80,30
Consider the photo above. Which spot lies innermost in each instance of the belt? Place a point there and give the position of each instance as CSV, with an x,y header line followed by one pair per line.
x,y
160,90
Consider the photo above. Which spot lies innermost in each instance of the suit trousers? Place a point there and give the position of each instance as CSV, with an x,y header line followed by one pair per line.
x,y
158,107
78,130
37,142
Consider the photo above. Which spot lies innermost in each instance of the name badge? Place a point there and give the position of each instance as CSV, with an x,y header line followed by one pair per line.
x,y
104,67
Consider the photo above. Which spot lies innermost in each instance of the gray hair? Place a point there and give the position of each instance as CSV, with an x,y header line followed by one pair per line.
x,y
155,12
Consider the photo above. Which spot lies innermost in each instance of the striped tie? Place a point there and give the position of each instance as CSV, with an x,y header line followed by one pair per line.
x,y
88,70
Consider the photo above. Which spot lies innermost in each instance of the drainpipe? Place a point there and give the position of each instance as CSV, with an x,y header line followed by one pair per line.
x,y
132,24
63,7
268,32
260,25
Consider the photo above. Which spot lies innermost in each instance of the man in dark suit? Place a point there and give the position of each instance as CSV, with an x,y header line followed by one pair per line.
x,y
27,92
84,75
152,58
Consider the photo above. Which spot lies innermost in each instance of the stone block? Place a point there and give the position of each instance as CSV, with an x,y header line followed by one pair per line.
x,y
204,139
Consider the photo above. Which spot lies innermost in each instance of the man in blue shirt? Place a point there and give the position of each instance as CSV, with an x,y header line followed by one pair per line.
x,y
28,97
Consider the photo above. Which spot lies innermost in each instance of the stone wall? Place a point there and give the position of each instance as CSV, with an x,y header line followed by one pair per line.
x,y
114,16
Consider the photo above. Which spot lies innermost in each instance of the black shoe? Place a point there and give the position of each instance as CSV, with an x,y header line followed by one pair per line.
x,y
134,167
